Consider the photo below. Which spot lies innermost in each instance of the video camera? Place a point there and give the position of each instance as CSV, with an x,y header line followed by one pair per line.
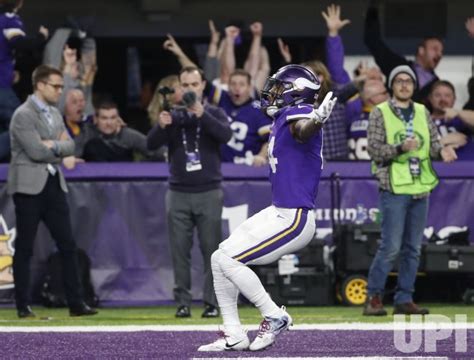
x,y
165,91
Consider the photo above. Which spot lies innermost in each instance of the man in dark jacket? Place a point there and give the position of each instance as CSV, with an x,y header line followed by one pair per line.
x,y
194,133
428,55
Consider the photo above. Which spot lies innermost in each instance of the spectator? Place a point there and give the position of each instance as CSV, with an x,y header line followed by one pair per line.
x,y
227,56
335,132
357,109
194,134
39,142
167,95
469,105
334,45
172,45
357,112
454,126
63,51
257,63
107,139
250,126
12,38
429,54
402,141
212,66
74,117
470,27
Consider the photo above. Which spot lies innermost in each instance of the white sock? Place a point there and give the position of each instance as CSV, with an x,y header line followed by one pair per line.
x,y
249,285
227,295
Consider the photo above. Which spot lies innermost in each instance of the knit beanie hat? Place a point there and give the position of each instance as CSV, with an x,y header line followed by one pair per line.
x,y
401,69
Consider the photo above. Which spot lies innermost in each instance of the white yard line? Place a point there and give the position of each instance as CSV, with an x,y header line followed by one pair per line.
x,y
333,358
327,327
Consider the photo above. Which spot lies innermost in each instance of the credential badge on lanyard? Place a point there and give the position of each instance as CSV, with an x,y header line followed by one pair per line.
x,y
193,158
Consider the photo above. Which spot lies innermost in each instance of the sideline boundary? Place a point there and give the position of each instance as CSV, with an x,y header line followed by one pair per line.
x,y
324,327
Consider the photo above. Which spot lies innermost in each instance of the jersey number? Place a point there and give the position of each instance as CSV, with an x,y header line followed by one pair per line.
x,y
273,161
358,149
240,131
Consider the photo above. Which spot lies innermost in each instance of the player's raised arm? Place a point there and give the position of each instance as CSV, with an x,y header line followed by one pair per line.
x,y
304,128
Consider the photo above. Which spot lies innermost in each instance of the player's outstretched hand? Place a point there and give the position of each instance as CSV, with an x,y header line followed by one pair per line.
x,y
321,114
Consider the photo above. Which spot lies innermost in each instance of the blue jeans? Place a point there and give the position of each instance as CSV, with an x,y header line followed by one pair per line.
x,y
403,223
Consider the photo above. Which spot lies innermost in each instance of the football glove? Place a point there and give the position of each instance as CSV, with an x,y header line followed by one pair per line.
x,y
321,114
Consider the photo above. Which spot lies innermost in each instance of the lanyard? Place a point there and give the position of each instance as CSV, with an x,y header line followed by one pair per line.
x,y
409,121
196,141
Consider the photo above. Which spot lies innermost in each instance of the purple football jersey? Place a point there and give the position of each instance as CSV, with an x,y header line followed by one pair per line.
x,y
295,168
10,25
357,142
445,127
249,125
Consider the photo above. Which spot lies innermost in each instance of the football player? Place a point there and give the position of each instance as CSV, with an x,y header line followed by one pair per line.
x,y
295,158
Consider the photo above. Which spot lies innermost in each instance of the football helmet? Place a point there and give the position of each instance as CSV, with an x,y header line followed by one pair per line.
x,y
290,85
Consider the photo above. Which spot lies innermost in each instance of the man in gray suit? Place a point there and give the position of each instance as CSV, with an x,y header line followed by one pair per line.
x,y
39,141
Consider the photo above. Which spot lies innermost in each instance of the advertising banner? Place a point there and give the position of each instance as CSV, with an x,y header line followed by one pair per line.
x,y
120,222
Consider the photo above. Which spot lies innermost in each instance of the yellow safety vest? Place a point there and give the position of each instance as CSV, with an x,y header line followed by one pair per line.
x,y
401,180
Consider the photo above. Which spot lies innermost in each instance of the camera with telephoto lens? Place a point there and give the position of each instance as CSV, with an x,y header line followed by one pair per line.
x,y
180,111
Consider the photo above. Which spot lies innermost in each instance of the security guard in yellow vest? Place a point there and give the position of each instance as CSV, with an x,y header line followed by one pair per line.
x,y
402,140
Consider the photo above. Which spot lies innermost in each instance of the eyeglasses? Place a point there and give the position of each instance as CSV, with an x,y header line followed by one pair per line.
x,y
403,82
55,86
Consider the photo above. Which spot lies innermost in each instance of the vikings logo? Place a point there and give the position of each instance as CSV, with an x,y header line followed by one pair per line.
x,y
7,237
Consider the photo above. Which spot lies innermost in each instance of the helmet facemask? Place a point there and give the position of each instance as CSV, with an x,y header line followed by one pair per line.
x,y
271,95
278,93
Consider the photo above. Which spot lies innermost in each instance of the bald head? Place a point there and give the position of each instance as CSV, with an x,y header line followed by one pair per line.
x,y
75,105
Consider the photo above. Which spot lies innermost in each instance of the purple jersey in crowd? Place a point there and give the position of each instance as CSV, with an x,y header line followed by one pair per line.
x,y
249,125
457,125
295,168
11,27
357,142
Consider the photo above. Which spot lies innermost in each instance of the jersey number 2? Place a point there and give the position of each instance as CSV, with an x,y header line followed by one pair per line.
x,y
240,131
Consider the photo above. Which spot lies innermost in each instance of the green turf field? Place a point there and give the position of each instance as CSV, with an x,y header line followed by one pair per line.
x,y
164,315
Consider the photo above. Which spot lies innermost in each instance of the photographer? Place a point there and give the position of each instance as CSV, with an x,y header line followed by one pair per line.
x,y
194,133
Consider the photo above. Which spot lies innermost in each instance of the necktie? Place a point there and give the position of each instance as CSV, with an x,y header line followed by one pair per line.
x,y
48,116
51,169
